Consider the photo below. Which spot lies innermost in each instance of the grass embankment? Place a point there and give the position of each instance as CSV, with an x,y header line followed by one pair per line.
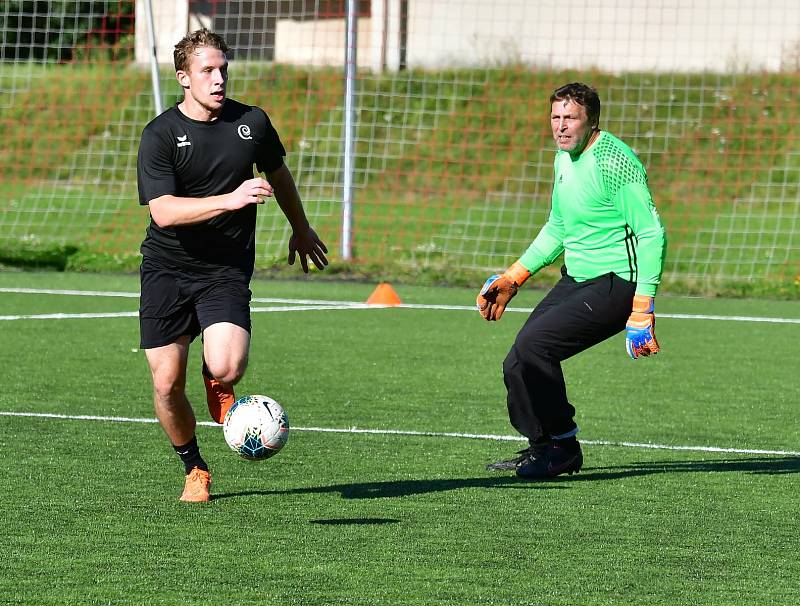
x,y
452,168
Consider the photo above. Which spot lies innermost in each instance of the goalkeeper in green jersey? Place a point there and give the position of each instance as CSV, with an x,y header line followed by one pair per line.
x,y
603,220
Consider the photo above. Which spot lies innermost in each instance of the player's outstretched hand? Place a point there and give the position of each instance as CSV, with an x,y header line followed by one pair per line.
x,y
640,335
308,246
497,291
252,191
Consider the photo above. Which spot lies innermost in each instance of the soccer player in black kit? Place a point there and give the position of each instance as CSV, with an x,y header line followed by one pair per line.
x,y
195,171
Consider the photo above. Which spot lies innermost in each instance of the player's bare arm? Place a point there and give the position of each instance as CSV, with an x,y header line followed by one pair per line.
x,y
172,211
304,241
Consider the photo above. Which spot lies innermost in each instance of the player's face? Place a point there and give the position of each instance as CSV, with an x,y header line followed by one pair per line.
x,y
205,80
572,129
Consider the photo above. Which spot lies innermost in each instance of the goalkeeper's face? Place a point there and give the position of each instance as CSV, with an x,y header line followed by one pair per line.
x,y
572,129
205,81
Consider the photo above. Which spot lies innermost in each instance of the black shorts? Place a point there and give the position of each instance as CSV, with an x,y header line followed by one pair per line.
x,y
175,302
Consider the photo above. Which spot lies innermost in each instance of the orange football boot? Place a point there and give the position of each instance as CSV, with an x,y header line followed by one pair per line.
x,y
220,398
197,488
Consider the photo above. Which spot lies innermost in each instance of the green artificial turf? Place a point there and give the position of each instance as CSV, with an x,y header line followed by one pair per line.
x,y
90,505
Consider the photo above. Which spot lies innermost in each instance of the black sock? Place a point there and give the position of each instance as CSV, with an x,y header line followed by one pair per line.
x,y
190,455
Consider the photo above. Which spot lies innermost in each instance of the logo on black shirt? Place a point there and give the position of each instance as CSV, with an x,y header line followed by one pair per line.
x,y
182,142
244,131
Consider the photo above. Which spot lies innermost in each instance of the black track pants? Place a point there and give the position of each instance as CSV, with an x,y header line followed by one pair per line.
x,y
571,318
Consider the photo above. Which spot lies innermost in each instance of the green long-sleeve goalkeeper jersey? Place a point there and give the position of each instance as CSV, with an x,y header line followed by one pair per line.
x,y
602,218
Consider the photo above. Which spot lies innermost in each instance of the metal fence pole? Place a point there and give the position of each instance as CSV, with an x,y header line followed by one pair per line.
x,y
151,39
351,45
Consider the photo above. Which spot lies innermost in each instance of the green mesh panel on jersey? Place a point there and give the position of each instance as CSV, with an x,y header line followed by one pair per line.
x,y
616,166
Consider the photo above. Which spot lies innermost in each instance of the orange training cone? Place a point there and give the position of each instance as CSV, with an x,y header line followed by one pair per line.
x,y
384,294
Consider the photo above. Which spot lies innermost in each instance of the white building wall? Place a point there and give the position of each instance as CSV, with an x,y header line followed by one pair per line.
x,y
610,35
171,20
321,42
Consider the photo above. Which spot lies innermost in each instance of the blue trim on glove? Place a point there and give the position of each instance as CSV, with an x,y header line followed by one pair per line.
x,y
488,284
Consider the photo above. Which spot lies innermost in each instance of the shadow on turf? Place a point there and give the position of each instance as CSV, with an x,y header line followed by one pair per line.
x,y
759,465
400,488
403,488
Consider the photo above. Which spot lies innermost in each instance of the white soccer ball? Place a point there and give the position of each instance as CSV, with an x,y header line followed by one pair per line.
x,y
256,427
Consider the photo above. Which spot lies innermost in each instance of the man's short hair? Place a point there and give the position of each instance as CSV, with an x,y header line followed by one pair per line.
x,y
582,94
202,38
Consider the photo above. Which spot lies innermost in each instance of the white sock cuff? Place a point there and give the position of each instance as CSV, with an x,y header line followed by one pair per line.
x,y
564,436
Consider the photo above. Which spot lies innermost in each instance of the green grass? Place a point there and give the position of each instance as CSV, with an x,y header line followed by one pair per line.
x,y
91,513
434,149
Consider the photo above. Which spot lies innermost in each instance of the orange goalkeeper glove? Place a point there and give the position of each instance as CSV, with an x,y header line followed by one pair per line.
x,y
640,336
499,290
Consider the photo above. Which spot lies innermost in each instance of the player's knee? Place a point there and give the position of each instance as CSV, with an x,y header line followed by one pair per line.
x,y
511,363
227,371
231,377
526,353
168,385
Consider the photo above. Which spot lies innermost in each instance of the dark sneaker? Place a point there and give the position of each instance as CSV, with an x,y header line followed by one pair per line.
x,y
559,457
523,456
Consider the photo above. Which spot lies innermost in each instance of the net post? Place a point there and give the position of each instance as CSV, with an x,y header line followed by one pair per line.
x,y
351,56
151,39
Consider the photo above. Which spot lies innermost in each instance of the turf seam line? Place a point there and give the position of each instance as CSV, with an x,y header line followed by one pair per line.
x,y
433,434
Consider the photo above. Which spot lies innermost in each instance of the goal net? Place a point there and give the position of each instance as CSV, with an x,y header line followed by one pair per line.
x,y
452,153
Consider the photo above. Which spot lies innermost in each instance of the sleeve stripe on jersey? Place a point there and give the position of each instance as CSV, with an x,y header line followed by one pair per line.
x,y
631,250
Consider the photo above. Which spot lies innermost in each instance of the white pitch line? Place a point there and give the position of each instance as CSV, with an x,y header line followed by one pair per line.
x,y
77,293
298,305
312,304
731,318
134,314
309,307
65,316
431,434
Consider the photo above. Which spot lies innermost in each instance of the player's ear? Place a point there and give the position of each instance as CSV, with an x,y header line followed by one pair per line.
x,y
183,78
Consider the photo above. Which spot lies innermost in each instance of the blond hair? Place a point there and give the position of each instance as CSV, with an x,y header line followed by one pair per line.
x,y
189,44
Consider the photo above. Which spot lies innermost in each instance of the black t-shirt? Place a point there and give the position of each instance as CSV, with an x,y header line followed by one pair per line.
x,y
187,158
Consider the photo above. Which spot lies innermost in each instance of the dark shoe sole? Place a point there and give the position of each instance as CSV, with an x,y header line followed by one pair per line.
x,y
526,456
533,471
503,466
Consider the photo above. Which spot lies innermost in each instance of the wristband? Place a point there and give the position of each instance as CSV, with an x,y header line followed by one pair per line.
x,y
643,304
517,273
